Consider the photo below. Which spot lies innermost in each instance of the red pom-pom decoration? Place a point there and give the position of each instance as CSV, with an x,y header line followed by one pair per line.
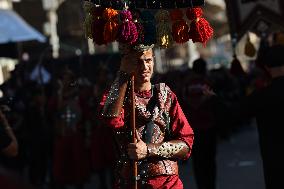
x,y
179,28
200,29
139,25
127,29
111,26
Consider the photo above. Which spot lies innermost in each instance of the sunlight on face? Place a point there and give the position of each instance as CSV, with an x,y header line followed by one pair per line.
x,y
145,67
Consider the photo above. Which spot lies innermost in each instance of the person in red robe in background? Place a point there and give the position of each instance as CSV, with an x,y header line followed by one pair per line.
x,y
71,162
101,141
163,133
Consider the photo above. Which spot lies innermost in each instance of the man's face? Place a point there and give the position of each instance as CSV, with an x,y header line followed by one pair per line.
x,y
145,66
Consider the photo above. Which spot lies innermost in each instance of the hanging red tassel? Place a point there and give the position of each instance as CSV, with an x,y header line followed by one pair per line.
x,y
139,26
111,26
127,29
179,28
98,26
200,29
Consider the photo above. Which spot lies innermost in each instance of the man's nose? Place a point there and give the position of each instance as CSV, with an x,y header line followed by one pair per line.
x,y
144,65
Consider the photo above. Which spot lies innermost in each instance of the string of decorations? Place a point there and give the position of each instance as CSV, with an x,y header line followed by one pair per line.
x,y
105,24
148,4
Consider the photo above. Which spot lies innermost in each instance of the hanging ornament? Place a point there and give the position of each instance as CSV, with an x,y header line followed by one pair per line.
x,y
88,22
111,26
139,26
164,36
200,29
179,28
121,20
149,25
98,26
127,29
249,48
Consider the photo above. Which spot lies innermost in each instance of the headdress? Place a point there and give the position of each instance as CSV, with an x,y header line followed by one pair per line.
x,y
143,24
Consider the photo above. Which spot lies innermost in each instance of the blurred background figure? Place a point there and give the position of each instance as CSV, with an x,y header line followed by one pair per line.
x,y
70,163
266,106
200,104
38,136
103,155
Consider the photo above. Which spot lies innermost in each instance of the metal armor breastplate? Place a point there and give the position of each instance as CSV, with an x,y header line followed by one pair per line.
x,y
156,117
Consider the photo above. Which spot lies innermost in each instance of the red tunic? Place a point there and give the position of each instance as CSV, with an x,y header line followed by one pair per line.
x,y
71,164
180,130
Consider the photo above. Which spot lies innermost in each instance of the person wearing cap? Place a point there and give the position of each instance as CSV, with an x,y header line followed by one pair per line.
x,y
266,106
163,134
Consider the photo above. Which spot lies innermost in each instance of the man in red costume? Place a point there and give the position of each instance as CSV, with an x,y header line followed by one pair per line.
x,y
163,133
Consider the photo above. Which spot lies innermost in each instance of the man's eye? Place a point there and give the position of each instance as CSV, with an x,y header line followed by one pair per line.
x,y
149,60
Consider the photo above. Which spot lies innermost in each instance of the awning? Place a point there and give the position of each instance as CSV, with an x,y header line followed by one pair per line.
x,y
13,28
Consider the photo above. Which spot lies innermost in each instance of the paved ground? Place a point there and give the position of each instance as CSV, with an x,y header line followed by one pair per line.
x,y
238,163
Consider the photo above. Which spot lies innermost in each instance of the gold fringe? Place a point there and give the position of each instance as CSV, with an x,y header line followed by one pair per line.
x,y
164,33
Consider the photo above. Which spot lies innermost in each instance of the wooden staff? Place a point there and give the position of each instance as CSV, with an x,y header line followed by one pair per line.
x,y
133,130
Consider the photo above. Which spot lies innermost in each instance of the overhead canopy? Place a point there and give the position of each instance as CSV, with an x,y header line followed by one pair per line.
x,y
14,29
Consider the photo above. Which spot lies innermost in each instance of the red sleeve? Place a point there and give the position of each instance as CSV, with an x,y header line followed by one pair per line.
x,y
114,122
181,130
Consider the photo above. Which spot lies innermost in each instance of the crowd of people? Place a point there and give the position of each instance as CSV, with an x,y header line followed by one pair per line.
x,y
57,133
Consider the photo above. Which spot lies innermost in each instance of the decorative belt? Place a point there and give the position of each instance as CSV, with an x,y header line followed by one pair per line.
x,y
161,167
149,169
